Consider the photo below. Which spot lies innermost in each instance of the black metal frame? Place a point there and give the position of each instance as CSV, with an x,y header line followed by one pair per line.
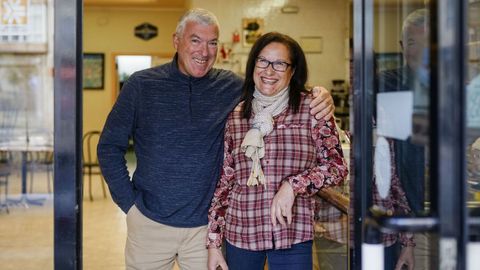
x,y
448,157
67,134
362,126
447,133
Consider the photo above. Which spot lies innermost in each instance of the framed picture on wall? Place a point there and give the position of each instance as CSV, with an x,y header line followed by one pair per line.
x,y
252,29
388,61
93,71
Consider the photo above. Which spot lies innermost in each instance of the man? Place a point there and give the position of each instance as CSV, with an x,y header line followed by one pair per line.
x,y
409,156
175,114
410,164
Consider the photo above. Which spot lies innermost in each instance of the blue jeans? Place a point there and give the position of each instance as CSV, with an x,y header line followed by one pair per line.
x,y
298,257
391,255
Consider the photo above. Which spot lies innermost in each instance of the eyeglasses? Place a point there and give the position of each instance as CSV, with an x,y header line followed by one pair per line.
x,y
277,65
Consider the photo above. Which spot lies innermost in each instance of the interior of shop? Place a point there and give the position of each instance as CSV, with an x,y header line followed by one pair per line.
x,y
112,51
121,37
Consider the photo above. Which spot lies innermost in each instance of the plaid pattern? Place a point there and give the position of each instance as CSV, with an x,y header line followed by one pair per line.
x,y
301,150
396,203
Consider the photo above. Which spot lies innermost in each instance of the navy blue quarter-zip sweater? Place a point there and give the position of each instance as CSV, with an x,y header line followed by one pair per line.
x,y
176,122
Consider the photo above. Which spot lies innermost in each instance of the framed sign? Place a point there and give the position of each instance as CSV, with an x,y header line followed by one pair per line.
x,y
388,61
93,70
252,30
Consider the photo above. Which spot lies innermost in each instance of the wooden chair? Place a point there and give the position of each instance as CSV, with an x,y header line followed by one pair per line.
x,y
90,160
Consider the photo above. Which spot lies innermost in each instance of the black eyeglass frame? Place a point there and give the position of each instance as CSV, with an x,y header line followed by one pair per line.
x,y
272,63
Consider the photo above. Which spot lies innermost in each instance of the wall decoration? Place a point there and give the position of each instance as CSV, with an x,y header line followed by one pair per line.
x,y
93,70
312,44
252,29
146,31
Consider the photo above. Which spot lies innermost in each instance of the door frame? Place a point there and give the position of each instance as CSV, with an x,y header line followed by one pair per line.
x,y
113,68
67,85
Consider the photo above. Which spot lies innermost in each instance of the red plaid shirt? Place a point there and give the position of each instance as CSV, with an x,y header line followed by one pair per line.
x,y
301,150
396,202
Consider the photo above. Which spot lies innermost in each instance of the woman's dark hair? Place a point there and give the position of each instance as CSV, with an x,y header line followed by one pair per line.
x,y
298,64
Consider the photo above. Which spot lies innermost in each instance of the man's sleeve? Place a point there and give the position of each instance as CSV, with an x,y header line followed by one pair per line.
x,y
113,145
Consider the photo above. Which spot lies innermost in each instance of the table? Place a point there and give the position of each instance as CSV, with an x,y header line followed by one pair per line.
x,y
24,148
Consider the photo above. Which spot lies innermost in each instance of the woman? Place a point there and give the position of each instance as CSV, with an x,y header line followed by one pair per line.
x,y
276,157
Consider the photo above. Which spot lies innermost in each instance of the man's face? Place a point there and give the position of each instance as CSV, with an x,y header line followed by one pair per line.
x,y
196,48
414,43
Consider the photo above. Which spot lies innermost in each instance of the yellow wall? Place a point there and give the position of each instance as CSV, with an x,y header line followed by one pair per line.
x,y
111,31
328,19
388,25
388,20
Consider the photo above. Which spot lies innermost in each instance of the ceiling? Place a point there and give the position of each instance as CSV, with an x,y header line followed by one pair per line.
x,y
136,3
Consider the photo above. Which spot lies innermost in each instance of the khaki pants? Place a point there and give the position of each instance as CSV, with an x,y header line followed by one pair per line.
x,y
151,245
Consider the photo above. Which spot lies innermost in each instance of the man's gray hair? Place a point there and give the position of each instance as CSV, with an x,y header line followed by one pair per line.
x,y
418,18
198,15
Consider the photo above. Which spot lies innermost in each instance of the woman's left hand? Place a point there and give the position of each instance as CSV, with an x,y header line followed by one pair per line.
x,y
282,204
406,259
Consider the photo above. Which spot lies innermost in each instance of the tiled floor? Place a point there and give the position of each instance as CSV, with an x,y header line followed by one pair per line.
x,y
26,237
26,233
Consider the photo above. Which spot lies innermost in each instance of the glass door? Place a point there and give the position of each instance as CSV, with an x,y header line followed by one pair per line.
x,y
472,58
415,179
40,117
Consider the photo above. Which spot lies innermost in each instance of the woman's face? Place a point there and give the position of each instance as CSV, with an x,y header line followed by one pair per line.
x,y
268,75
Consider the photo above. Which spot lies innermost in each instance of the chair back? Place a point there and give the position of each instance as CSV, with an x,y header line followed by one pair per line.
x,y
40,157
90,160
89,152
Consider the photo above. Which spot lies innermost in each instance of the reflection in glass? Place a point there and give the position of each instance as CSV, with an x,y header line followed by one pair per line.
x,y
473,129
401,117
473,103
26,135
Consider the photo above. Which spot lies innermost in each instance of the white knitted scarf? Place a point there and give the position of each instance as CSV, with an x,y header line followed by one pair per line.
x,y
264,108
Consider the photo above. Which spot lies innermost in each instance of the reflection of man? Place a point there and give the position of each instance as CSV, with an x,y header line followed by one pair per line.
x,y
409,157
414,46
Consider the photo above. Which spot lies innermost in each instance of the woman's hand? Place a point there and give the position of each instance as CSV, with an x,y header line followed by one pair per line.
x,y
215,259
282,204
406,258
